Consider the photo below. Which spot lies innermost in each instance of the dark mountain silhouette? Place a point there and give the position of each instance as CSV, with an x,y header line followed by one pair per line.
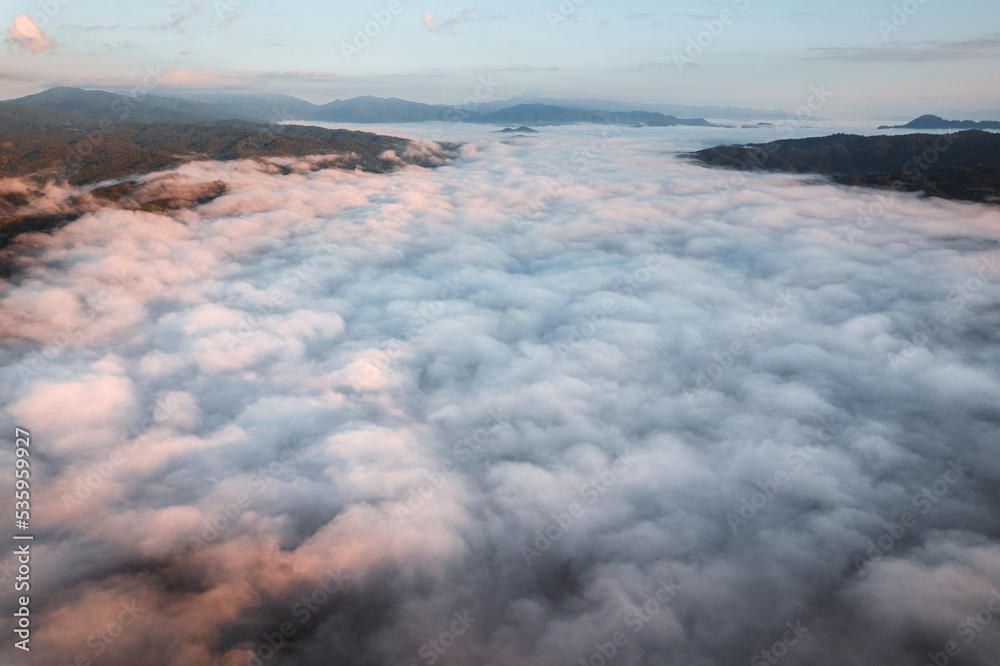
x,y
263,108
91,108
930,122
678,110
378,110
19,118
97,106
964,165
546,114
537,114
518,130
133,148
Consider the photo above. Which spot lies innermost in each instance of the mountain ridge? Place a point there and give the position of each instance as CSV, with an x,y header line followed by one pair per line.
x,y
99,106
964,165
929,121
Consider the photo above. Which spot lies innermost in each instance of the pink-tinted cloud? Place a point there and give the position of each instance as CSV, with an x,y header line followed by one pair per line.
x,y
26,34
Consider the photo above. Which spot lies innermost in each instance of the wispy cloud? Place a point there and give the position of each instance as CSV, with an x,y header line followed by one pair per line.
x,y
203,78
25,34
179,18
474,15
87,28
799,18
926,51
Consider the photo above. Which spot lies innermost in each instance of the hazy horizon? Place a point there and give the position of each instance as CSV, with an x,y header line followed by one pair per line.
x,y
877,59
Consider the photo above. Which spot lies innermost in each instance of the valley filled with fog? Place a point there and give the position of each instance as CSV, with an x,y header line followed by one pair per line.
x,y
568,397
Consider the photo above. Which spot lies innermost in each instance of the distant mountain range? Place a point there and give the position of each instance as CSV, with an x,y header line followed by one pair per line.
x,y
930,122
93,105
965,165
680,110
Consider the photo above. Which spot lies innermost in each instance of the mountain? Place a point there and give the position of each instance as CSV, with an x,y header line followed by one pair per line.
x,y
966,166
20,118
378,110
930,122
536,114
47,149
264,108
91,108
134,148
679,110
546,114
517,130
98,107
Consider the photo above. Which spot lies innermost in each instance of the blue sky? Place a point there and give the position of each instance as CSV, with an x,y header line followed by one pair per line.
x,y
766,54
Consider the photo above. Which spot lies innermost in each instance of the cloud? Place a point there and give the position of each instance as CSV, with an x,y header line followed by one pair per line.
x,y
88,28
499,412
26,34
180,17
986,43
203,78
927,51
474,15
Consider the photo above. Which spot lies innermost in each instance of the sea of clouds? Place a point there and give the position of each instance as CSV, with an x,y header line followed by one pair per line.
x,y
568,399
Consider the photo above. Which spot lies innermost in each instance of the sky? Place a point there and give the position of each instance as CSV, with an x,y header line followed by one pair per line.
x,y
879,60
